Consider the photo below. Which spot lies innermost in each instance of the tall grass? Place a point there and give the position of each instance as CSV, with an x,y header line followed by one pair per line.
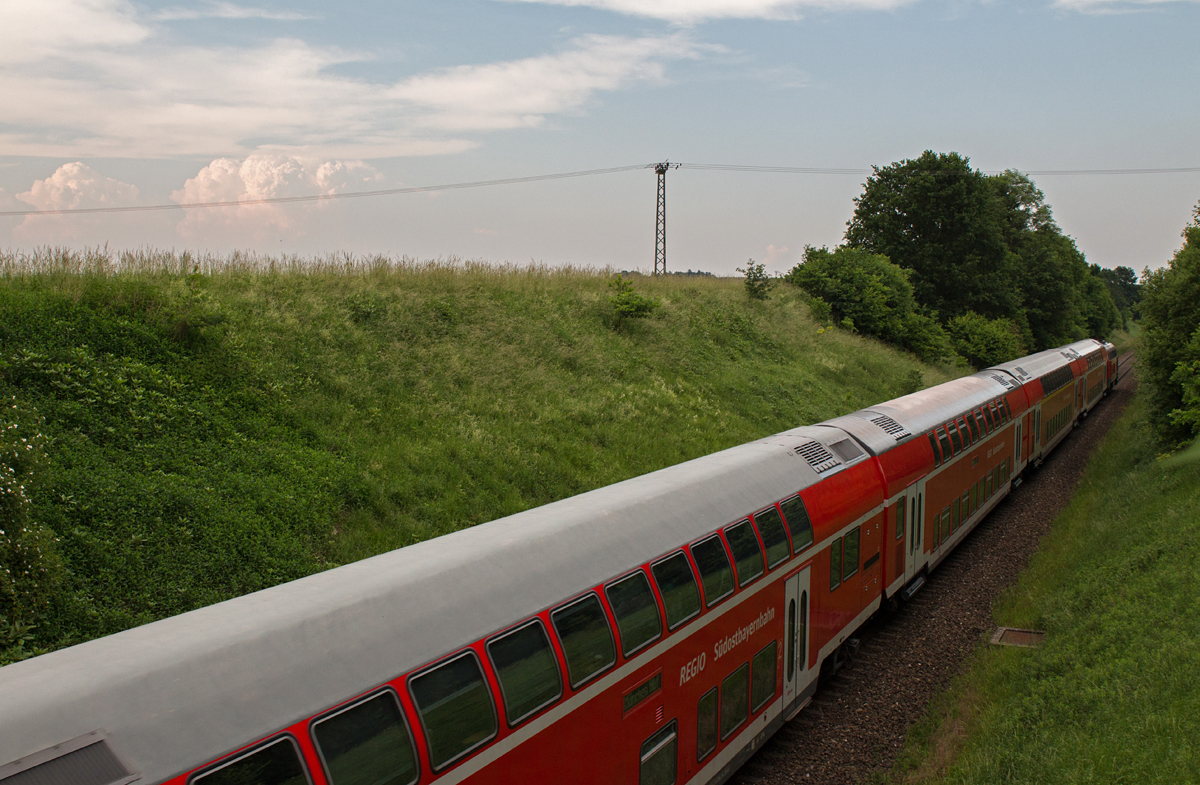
x,y
219,424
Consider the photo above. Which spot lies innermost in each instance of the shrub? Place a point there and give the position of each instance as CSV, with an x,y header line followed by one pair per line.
x,y
627,303
758,283
985,342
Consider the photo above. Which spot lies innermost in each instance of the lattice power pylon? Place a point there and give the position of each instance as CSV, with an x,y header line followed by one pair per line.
x,y
660,239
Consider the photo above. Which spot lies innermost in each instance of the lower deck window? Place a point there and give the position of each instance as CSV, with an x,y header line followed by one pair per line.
x,y
276,763
659,757
455,707
367,744
762,671
735,700
706,724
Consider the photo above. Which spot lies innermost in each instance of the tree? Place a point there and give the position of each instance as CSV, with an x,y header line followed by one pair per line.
x,y
943,221
627,303
985,342
1170,309
758,283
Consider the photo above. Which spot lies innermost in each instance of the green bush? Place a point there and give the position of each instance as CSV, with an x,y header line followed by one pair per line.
x,y
627,303
985,342
870,294
758,283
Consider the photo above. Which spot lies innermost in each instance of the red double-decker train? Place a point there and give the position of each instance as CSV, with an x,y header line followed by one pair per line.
x,y
655,631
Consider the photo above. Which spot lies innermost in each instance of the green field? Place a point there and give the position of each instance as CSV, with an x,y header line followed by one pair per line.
x,y
211,427
1113,696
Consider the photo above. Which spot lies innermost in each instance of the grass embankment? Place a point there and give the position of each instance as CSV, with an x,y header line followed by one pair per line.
x,y
215,432
1114,693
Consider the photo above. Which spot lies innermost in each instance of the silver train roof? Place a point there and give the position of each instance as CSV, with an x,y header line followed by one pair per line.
x,y
176,693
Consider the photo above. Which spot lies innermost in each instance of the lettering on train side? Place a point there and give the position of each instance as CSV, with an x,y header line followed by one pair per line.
x,y
687,672
723,647
996,449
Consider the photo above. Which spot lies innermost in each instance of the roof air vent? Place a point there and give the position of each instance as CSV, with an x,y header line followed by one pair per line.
x,y
819,458
1005,382
891,427
85,760
846,449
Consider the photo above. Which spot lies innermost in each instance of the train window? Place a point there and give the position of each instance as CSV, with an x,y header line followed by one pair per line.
x,y
968,437
981,424
937,453
944,441
974,497
966,505
791,636
995,412
455,707
796,517
835,564
988,483
715,572
747,555
632,602
527,670
946,524
677,585
706,724
987,418
659,757
900,521
973,427
802,648
735,700
850,554
586,638
955,438
367,744
774,537
762,672
1003,405
955,514
276,763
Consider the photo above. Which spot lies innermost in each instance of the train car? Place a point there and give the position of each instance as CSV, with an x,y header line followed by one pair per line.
x,y
655,631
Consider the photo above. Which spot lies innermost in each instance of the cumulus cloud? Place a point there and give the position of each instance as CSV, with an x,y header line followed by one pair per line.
x,y
72,186
263,176
776,255
98,78
689,11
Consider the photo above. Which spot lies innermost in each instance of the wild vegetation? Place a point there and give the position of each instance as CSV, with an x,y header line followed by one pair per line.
x,y
944,260
206,427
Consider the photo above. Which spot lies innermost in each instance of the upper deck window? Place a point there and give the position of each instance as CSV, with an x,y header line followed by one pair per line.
x,y
944,440
968,436
527,670
632,601
747,556
276,763
371,730
937,452
677,585
774,538
586,638
973,427
455,707
715,573
796,517
987,418
955,438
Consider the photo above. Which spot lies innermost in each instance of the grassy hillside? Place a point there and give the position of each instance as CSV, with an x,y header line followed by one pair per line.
x,y
209,427
1114,693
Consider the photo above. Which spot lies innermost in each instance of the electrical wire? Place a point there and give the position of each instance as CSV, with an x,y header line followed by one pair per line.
x,y
322,197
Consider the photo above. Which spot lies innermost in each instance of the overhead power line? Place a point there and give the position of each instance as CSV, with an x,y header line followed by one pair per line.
x,y
812,170
323,197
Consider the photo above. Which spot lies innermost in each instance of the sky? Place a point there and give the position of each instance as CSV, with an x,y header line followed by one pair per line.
x,y
110,103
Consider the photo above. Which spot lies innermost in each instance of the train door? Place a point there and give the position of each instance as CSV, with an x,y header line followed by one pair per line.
x,y
912,536
795,644
1017,446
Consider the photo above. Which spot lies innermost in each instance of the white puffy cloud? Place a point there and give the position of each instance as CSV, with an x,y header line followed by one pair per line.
x,y
522,93
263,176
776,255
689,11
97,78
72,186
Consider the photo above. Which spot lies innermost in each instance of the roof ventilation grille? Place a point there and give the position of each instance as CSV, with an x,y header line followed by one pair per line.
x,y
891,427
1024,373
85,760
1004,381
819,458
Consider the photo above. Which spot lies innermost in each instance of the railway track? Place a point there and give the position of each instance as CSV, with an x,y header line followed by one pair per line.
x,y
858,720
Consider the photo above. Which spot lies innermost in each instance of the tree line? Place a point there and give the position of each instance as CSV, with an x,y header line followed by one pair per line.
x,y
946,261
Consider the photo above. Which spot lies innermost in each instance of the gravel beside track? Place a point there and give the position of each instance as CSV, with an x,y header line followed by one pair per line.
x,y
857,721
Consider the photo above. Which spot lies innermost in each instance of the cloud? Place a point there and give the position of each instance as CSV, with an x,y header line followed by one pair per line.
x,y
72,186
776,255
521,93
1111,6
263,176
93,78
218,10
690,11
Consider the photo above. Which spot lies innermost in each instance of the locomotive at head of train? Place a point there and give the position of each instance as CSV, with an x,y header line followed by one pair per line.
x,y
653,631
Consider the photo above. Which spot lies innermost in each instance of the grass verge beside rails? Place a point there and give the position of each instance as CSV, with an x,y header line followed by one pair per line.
x,y
210,427
1113,695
